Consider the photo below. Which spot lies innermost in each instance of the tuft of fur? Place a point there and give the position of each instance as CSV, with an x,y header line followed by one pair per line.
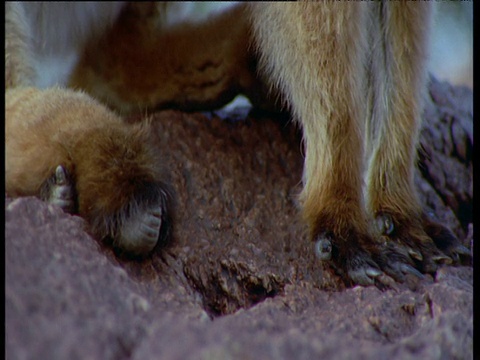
x,y
117,176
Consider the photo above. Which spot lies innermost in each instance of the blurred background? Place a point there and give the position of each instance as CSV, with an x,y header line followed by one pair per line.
x,y
451,52
451,47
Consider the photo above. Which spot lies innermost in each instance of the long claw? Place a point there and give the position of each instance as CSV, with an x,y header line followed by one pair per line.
x,y
407,269
442,259
415,254
361,277
462,250
386,282
372,272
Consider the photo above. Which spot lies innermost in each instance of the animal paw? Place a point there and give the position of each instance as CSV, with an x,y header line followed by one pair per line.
x,y
445,240
134,224
139,233
420,242
358,259
364,260
59,190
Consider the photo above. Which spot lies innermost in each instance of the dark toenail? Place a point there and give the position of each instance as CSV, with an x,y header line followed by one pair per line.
x,y
385,224
323,248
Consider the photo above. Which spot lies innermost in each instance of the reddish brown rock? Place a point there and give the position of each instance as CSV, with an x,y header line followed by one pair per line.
x,y
239,279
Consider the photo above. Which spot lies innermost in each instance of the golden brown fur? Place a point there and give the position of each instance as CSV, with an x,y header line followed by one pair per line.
x,y
192,66
352,74
112,164
360,150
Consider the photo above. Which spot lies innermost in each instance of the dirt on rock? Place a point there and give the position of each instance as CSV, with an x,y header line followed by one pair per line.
x,y
239,279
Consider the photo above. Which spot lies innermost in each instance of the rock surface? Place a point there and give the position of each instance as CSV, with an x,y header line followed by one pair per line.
x,y
239,279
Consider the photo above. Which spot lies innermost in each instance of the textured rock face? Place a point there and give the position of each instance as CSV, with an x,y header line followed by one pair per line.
x,y
239,279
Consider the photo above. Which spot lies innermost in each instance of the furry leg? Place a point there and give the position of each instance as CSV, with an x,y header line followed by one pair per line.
x,y
399,38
